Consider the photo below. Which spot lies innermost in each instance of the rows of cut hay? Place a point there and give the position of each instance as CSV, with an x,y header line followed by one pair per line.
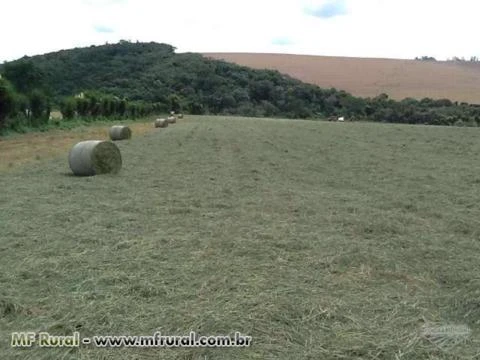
x,y
320,241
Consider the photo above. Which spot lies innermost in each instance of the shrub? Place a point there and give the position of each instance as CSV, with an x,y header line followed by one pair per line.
x,y
39,107
7,101
68,107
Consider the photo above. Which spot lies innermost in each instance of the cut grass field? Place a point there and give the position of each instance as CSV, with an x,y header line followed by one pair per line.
x,y
320,240
458,81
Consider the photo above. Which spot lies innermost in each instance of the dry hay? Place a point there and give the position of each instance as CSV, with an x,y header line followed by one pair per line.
x,y
172,119
120,132
94,157
161,123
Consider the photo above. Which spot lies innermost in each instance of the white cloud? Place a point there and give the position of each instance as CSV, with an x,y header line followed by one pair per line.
x,y
368,28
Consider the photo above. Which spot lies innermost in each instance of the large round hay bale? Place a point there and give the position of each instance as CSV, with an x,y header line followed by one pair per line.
x,y
94,157
161,123
120,132
180,116
172,119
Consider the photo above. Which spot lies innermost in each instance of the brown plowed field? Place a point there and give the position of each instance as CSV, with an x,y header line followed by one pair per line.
x,y
458,81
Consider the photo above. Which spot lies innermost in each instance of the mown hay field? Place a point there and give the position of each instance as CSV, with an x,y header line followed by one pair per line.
x,y
319,240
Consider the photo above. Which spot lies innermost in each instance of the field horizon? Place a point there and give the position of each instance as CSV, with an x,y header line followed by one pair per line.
x,y
369,77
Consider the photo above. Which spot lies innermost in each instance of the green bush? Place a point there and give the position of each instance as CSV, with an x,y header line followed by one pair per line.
x,y
68,108
39,107
7,101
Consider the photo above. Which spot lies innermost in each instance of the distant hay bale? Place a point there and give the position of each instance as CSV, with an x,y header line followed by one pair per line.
x,y
94,157
180,116
120,132
56,115
172,119
161,123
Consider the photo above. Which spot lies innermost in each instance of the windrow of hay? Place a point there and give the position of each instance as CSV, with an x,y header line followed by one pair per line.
x,y
93,157
161,123
120,132
172,119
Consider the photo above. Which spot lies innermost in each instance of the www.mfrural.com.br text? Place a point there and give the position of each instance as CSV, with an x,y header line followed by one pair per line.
x,y
47,340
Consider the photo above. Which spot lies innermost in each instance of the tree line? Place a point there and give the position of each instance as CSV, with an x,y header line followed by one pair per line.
x,y
136,79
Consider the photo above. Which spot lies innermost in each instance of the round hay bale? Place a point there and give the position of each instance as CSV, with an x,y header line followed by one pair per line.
x,y
94,157
161,123
172,119
120,132
180,116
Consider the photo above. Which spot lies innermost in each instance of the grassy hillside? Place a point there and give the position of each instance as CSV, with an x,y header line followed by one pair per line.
x,y
457,81
320,240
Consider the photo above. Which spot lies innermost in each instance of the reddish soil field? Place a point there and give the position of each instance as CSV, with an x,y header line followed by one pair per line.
x,y
458,81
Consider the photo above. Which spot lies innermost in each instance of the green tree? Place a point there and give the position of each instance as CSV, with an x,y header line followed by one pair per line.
x,y
122,107
24,75
174,102
106,107
7,101
196,108
39,108
261,90
22,105
68,108
94,106
82,106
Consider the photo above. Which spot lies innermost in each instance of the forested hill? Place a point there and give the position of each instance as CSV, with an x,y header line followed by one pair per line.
x,y
155,74
137,71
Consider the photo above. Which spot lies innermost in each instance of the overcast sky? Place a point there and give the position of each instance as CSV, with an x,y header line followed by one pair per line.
x,y
363,28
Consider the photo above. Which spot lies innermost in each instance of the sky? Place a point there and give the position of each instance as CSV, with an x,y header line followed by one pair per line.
x,y
400,29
